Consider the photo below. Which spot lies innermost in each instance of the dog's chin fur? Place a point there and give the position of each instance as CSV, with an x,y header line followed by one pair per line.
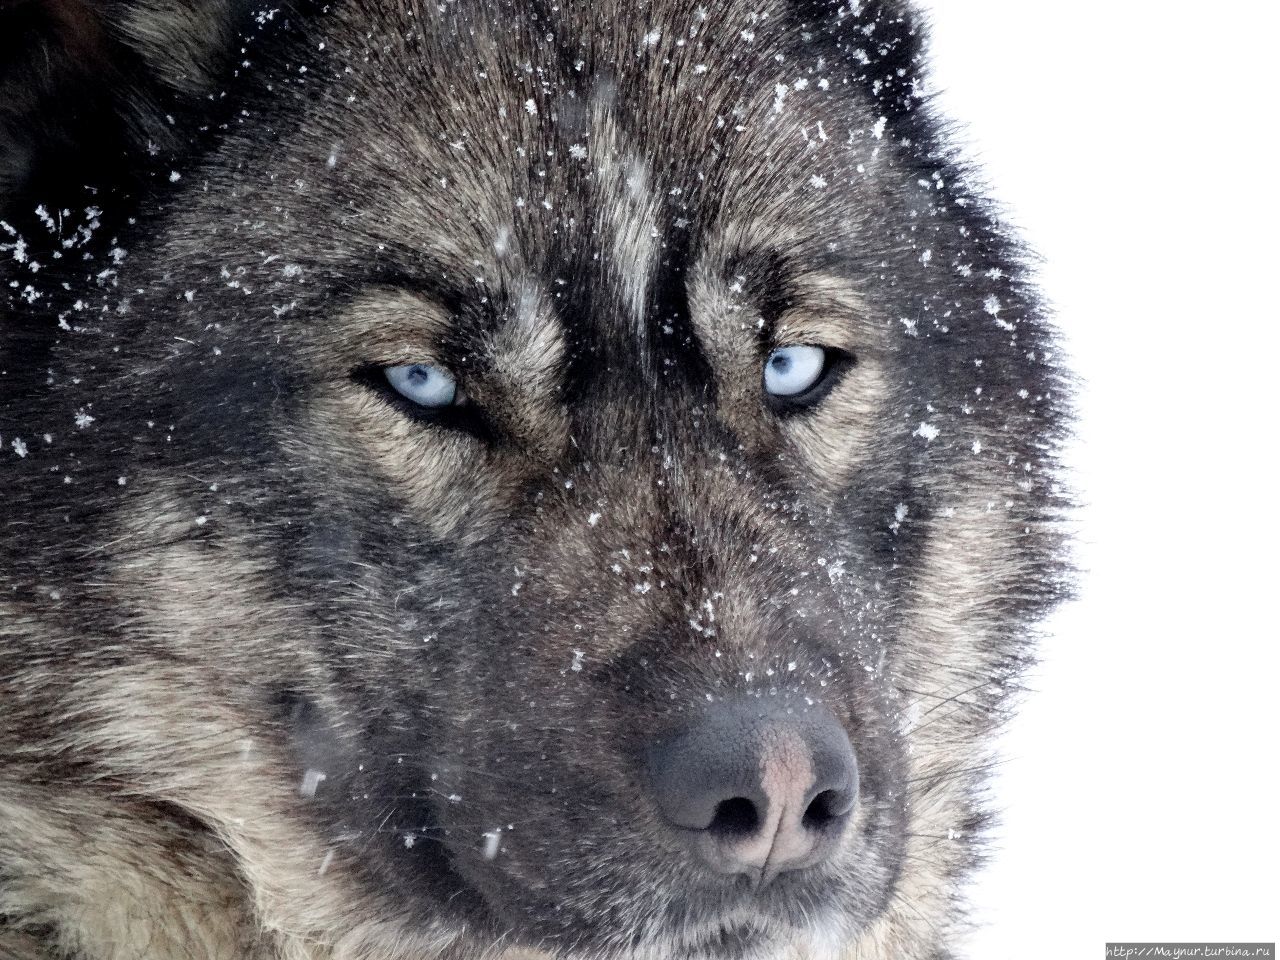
x,y
283,653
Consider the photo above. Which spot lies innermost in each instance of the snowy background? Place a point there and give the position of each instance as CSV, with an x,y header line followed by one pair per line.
x,y
1134,144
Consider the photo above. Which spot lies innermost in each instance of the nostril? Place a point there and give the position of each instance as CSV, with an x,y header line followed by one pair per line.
x,y
735,817
827,807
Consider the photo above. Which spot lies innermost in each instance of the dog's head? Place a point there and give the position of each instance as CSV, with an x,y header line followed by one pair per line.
x,y
596,460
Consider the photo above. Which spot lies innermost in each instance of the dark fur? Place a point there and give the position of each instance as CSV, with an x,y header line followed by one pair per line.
x,y
233,560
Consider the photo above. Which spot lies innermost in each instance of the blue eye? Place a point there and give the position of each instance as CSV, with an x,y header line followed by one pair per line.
x,y
793,370
424,384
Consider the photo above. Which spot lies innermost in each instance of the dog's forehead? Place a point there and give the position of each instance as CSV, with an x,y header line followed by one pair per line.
x,y
601,157
688,116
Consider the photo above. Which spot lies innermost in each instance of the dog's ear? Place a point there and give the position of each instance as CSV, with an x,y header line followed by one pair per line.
x,y
878,42
87,87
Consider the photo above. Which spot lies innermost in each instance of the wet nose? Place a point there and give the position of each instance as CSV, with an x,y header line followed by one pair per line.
x,y
757,787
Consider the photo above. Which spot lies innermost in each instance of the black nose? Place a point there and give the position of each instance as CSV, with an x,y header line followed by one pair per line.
x,y
757,787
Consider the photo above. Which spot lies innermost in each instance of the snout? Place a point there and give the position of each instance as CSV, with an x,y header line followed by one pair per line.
x,y
757,787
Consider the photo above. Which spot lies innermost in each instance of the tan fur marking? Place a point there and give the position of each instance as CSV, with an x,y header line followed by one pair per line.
x,y
114,879
629,211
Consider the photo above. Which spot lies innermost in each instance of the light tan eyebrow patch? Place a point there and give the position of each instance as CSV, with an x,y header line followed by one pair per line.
x,y
524,382
529,348
383,325
828,312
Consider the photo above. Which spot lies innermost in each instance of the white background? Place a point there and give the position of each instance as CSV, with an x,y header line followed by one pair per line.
x,y
1135,145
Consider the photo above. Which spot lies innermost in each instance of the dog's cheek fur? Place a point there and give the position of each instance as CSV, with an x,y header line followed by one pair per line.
x,y
195,837
955,670
100,878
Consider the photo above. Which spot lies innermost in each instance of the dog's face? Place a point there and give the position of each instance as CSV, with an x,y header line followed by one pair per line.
x,y
552,390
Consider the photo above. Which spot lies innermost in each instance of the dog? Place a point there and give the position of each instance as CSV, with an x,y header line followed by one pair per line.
x,y
504,479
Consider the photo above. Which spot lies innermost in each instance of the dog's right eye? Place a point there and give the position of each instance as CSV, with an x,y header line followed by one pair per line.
x,y
424,384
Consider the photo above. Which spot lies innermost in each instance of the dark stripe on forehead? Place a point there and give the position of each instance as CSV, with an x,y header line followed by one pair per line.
x,y
675,345
765,279
547,21
577,303
651,361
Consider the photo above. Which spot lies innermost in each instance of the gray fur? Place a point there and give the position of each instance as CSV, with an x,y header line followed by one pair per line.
x,y
279,659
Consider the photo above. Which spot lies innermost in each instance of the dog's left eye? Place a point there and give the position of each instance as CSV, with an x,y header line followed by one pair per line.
x,y
424,384
790,371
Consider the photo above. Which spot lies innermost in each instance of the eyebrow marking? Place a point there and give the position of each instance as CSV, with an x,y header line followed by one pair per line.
x,y
529,348
828,307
